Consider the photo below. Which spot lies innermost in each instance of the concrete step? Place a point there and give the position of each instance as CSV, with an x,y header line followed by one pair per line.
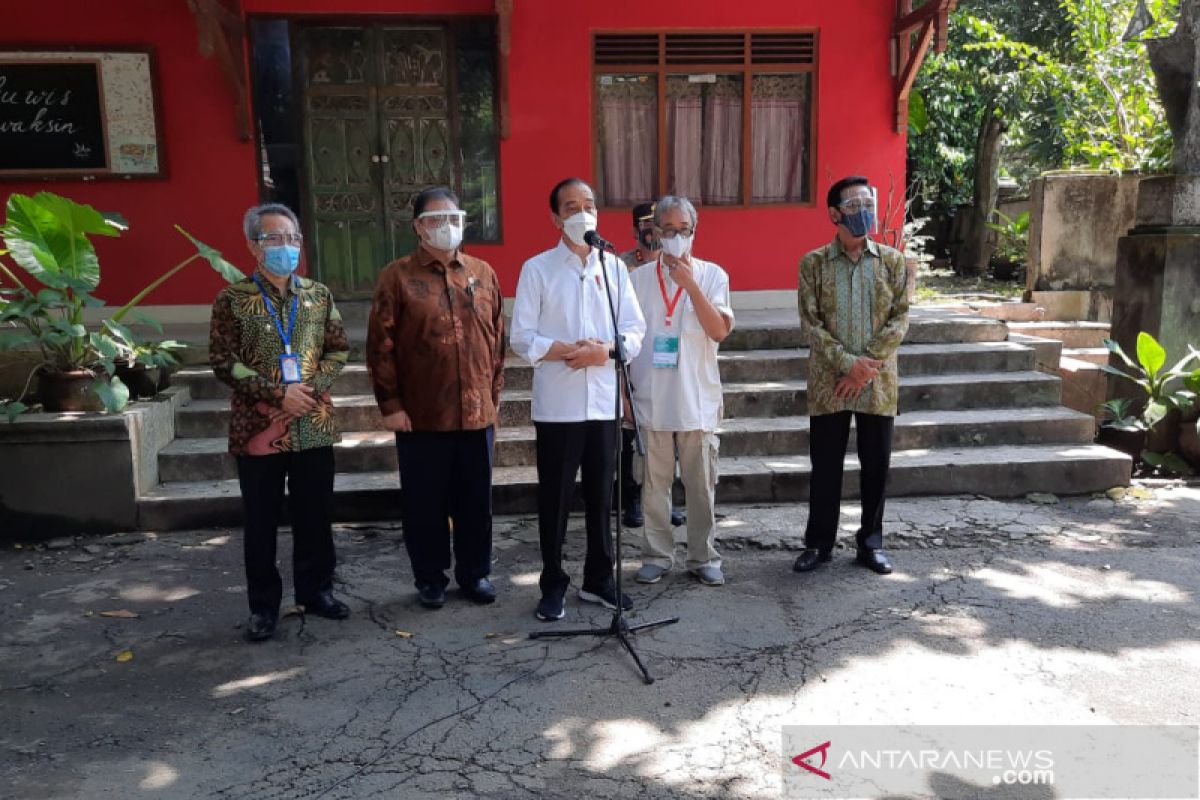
x,y
736,366
1092,355
375,451
1071,334
772,329
1084,385
1005,471
1023,389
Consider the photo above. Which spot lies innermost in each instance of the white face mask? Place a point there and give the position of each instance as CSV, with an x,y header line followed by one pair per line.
x,y
576,225
677,246
447,237
443,230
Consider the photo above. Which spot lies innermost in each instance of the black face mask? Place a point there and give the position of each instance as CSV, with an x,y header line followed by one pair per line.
x,y
648,240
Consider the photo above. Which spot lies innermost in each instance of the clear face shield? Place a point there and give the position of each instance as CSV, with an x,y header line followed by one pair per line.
x,y
860,213
443,218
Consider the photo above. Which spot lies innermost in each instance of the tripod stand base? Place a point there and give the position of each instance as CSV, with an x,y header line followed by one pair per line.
x,y
618,628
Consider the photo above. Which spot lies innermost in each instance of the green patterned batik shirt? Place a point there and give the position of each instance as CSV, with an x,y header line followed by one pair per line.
x,y
849,310
244,349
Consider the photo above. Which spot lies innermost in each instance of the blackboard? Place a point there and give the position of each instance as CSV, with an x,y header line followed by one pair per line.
x,y
52,118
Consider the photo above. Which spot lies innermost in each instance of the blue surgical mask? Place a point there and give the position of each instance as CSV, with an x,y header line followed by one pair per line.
x,y
860,223
282,259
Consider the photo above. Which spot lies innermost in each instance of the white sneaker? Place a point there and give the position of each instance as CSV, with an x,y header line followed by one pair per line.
x,y
709,575
650,573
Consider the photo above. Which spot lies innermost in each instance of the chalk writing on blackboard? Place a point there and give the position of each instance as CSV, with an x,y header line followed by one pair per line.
x,y
52,117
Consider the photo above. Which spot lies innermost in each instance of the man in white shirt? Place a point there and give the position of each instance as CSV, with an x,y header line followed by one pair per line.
x,y
677,390
562,325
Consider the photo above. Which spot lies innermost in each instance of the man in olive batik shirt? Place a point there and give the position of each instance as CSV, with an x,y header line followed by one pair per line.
x,y
277,340
854,311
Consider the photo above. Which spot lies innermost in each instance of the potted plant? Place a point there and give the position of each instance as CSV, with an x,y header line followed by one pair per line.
x,y
1012,245
144,366
1152,433
49,237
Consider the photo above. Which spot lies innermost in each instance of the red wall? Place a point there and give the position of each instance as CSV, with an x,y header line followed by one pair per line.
x,y
212,174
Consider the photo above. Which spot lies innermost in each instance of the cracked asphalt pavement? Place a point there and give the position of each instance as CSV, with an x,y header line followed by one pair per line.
x,y
1017,612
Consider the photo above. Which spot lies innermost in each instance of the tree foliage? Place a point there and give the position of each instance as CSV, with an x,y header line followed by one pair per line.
x,y
1070,90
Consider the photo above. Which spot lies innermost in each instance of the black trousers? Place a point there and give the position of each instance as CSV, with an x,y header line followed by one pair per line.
x,y
446,479
309,476
631,490
827,445
563,448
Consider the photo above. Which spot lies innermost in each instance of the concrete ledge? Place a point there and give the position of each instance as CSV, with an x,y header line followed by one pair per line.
x,y
65,474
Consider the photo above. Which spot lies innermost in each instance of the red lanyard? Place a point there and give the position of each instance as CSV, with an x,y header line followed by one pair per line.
x,y
670,304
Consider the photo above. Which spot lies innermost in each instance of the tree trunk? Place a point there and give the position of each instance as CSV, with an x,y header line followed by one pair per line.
x,y
977,246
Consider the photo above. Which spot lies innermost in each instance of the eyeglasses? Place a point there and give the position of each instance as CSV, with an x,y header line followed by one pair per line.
x,y
440,219
671,233
857,204
276,239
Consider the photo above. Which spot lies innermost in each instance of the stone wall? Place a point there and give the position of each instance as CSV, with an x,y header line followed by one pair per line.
x,y
1076,220
66,474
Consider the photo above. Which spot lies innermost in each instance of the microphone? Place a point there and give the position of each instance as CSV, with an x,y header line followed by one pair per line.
x,y
594,239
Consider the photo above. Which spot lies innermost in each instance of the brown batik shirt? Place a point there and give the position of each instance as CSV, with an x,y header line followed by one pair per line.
x,y
435,342
244,349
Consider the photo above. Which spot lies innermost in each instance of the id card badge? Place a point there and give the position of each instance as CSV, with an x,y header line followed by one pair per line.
x,y
666,352
289,365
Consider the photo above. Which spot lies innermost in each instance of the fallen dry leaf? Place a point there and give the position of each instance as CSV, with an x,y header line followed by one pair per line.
x,y
293,611
125,655
403,634
120,613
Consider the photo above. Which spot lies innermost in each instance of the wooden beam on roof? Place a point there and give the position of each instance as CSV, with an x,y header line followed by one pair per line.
x,y
222,34
931,24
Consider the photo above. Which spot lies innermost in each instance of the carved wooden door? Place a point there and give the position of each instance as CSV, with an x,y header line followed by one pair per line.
x,y
376,132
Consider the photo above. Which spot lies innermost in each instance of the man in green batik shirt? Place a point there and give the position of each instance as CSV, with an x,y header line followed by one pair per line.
x,y
277,340
854,313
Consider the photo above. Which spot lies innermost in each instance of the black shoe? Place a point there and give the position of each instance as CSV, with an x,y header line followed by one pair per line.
x,y
261,626
606,596
810,559
550,607
874,560
431,596
677,517
633,516
481,591
327,606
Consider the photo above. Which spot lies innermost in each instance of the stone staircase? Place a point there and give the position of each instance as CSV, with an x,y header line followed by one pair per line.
x,y
1085,384
977,418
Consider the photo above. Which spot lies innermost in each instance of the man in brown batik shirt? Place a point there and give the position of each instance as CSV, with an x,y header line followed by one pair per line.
x,y
435,351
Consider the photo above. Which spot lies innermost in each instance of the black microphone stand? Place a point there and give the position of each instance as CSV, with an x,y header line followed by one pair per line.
x,y
618,628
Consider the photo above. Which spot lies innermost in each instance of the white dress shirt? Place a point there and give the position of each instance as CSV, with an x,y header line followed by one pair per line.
x,y
560,298
688,397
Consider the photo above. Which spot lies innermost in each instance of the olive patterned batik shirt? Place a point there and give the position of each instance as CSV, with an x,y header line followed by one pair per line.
x,y
244,349
849,310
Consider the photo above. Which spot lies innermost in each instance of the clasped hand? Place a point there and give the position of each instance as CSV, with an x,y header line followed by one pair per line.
x,y
853,382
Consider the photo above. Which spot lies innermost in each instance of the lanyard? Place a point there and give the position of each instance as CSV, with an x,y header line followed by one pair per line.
x,y
277,317
672,303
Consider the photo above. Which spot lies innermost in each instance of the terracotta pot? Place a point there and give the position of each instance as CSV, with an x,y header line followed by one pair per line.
x,y
141,380
164,378
68,391
910,267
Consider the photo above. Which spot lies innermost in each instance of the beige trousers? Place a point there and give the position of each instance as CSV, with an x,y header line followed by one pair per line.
x,y
698,452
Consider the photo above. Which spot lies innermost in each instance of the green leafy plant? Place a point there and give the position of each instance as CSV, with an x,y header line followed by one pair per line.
x,y
1013,243
49,237
1166,390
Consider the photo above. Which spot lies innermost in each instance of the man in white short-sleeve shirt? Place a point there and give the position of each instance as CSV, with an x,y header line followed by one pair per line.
x,y
677,390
